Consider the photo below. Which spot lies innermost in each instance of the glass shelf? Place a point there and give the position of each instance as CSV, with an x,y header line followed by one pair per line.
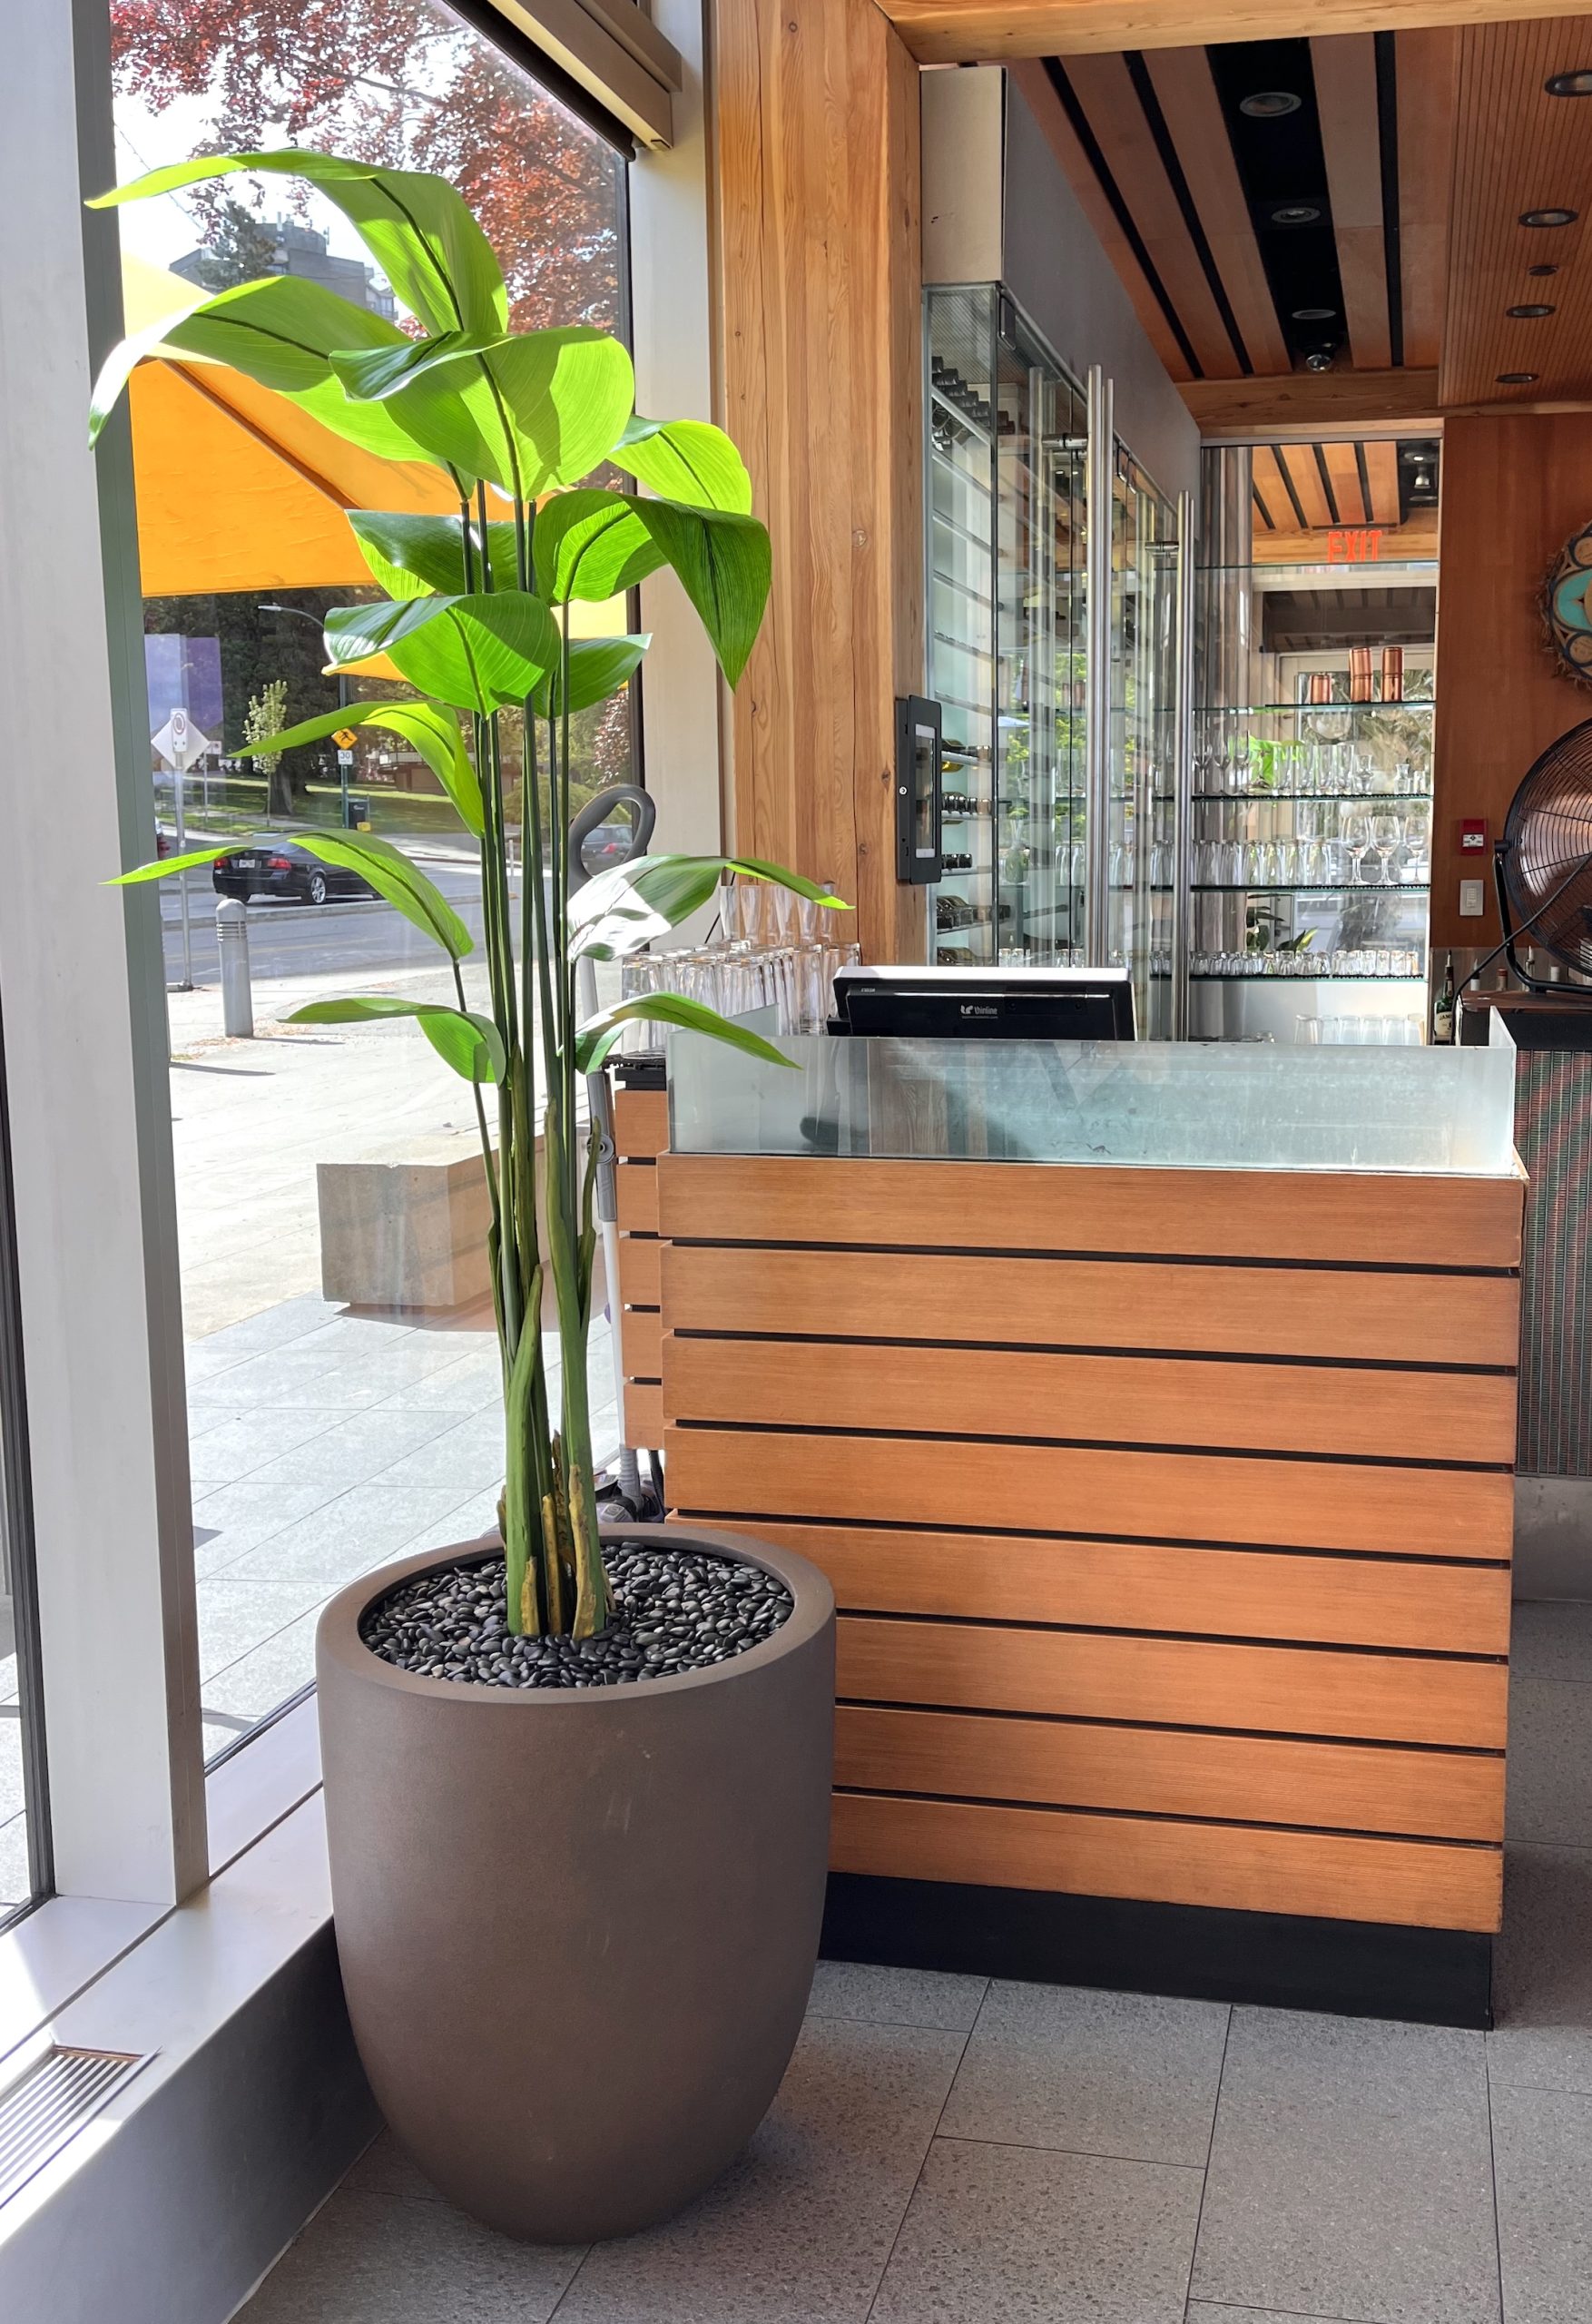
x,y
1302,975
1322,798
1308,888
1309,709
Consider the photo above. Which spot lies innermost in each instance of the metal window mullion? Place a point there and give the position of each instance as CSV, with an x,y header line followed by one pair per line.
x,y
1098,519
1182,764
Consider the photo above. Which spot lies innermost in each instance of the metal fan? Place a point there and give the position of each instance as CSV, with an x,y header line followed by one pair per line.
x,y
1543,863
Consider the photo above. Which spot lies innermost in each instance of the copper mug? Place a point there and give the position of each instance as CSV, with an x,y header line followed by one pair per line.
x,y
1320,686
1359,673
1393,673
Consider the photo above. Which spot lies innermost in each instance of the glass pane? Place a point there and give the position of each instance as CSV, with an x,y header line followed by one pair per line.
x,y
343,1374
1244,1107
24,1829
963,401
1142,739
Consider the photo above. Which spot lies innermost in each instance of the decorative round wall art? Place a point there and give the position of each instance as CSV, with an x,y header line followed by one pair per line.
x,y
1566,608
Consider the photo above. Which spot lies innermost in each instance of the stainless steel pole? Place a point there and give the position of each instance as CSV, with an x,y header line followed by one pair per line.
x,y
1182,762
180,787
1098,690
233,952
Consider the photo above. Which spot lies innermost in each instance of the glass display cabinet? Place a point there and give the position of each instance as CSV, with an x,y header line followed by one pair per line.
x,y
1010,656
1006,656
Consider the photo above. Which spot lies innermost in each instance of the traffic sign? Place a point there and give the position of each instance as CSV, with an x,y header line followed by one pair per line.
x,y
344,738
179,743
345,758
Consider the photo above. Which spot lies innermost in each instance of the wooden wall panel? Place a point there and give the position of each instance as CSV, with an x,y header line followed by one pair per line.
x,y
641,1123
1245,1867
1427,71
1162,1771
1515,487
1314,1214
1259,1310
1142,1585
971,32
640,1264
1173,1682
817,192
1155,1496
644,1413
1098,1399
636,1198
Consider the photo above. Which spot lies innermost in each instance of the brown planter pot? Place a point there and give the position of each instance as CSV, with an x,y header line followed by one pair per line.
x,y
578,1928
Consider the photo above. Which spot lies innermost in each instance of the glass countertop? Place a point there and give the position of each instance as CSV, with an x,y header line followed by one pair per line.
x,y
1219,1105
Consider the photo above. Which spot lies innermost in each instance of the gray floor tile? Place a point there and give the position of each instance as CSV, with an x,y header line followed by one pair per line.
x,y
266,1675
385,2169
1550,1762
235,1519
469,1455
235,1616
896,1996
236,1445
1542,1976
290,1319
357,1450
1204,2311
1543,2140
1551,1637
799,2231
1096,2072
1001,2235
470,1383
349,1535
1351,2173
373,2259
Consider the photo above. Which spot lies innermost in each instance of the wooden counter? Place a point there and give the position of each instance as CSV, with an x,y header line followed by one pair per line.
x,y
1169,1513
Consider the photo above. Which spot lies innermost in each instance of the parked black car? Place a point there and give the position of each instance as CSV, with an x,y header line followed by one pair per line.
x,y
271,866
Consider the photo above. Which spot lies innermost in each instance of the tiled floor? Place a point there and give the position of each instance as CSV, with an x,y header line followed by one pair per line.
x,y
949,2151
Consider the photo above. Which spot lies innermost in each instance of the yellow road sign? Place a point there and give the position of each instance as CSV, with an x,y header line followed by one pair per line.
x,y
345,738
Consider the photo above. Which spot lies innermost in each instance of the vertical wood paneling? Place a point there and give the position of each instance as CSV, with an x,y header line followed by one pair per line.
x,y
818,190
1514,487
1345,82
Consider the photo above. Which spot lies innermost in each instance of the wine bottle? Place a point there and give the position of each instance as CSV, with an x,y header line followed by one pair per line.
x,y
1442,1011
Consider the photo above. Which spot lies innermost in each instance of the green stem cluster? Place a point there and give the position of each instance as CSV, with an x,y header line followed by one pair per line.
x,y
556,1580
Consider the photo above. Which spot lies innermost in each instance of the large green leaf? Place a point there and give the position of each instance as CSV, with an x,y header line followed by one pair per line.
x,y
472,1045
598,666
623,909
597,1036
388,869
592,544
431,730
482,652
549,405
725,568
414,556
686,459
417,228
281,331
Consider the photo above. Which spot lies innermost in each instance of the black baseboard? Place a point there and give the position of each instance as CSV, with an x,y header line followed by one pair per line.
x,y
1358,1968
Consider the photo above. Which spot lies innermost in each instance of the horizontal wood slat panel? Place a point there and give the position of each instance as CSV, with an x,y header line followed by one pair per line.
x,y
1309,1214
1347,1786
1182,1682
1160,1496
1135,1585
1095,1303
642,1339
636,1200
1124,1399
639,1270
1330,1876
641,1122
644,1413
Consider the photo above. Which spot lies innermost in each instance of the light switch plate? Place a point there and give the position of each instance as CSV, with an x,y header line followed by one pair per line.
x,y
1471,906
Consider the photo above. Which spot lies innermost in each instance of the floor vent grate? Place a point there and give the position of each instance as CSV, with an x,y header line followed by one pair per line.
x,y
49,2102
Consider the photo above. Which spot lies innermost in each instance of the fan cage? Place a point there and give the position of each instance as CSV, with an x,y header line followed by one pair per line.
x,y
1547,848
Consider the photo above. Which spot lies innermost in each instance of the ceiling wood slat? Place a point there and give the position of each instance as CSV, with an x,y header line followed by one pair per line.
x,y
1267,478
1300,460
1034,83
1312,399
1517,149
1110,102
1382,469
1345,84
971,32
1428,66
1343,469
1187,94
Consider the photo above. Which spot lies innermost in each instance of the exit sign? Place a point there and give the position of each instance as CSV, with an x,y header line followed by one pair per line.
x,y
1354,544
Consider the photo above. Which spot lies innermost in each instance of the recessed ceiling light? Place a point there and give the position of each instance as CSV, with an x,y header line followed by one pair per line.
x,y
1527,314
1549,217
1542,269
1518,379
1570,84
1270,104
1294,213
1315,314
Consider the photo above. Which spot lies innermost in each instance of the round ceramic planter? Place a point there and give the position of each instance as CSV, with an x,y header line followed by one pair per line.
x,y
577,1927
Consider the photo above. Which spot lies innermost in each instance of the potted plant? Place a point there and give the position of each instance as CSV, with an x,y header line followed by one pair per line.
x,y
576,1784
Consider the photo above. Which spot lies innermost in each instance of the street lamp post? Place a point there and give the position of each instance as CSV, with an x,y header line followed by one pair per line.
x,y
298,613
